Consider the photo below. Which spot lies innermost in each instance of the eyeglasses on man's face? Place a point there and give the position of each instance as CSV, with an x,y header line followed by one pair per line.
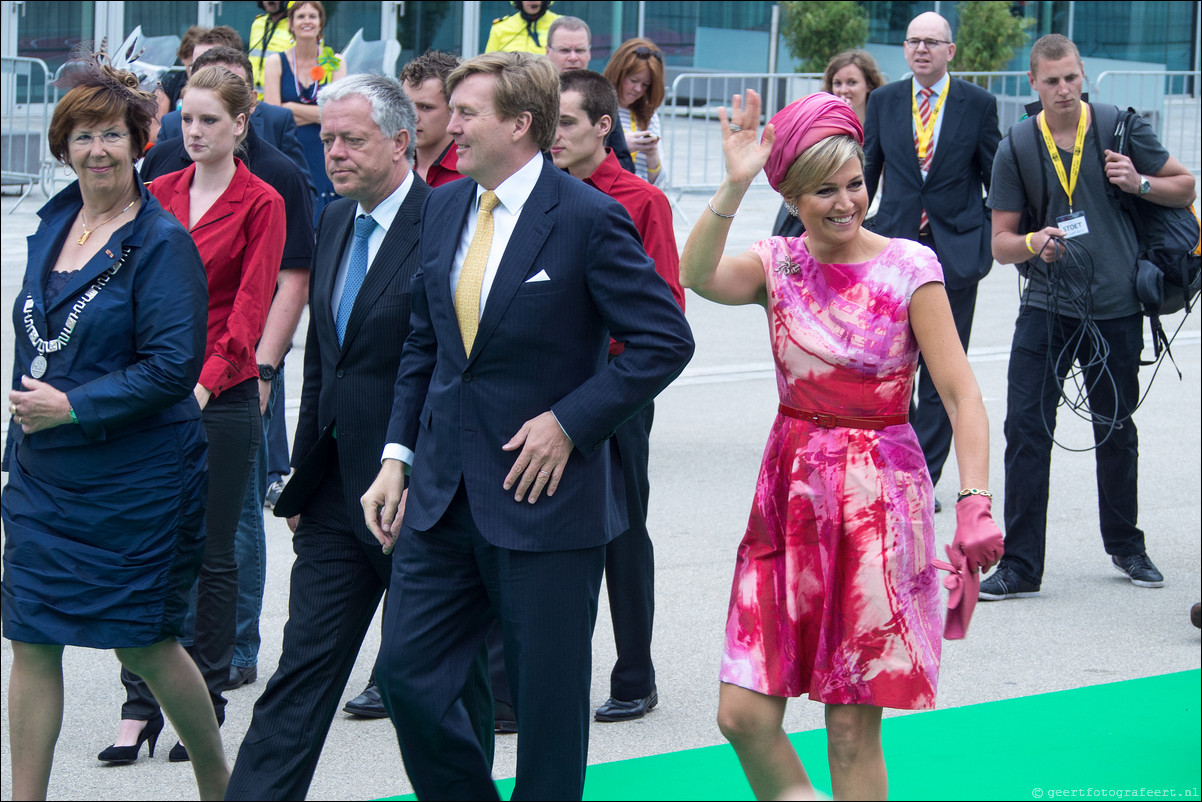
x,y
930,44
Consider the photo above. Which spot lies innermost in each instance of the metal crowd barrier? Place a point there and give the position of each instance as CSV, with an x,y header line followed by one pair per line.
x,y
25,91
692,139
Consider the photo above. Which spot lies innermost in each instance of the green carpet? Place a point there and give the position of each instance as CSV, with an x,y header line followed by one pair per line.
x,y
1137,739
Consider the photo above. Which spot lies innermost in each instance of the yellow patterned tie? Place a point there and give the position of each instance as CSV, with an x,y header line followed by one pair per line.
x,y
471,277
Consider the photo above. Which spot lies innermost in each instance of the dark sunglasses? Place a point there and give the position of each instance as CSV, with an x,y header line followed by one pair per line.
x,y
645,53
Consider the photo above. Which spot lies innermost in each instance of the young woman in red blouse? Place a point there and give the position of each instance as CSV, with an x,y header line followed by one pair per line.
x,y
237,222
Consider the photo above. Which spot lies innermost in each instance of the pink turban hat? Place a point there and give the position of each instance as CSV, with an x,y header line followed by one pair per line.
x,y
804,123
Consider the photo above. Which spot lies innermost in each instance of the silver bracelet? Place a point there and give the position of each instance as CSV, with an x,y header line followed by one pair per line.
x,y
710,204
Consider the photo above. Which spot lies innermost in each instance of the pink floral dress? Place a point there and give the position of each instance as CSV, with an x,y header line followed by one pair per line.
x,y
834,592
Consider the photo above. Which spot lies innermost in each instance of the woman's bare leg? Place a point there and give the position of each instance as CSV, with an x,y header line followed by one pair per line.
x,y
853,746
175,681
752,721
35,715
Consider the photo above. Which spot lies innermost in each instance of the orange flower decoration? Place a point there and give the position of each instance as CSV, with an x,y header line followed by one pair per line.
x,y
318,73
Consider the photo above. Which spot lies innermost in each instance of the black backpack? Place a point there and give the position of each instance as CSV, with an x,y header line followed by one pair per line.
x,y
1168,270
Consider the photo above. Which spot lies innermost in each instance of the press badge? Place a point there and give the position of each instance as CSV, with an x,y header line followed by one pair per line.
x,y
1073,225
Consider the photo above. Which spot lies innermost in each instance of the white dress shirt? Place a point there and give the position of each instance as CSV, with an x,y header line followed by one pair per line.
x,y
512,195
383,214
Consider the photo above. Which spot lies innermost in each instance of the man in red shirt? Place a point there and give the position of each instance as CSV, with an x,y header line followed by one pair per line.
x,y
588,107
424,80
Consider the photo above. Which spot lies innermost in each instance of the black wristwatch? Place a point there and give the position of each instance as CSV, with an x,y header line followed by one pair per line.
x,y
267,373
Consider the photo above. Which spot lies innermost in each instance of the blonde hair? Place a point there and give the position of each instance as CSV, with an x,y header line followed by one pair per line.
x,y
231,89
817,163
524,83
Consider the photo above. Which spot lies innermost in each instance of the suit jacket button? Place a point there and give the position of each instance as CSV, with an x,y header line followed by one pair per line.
x,y
338,373
467,376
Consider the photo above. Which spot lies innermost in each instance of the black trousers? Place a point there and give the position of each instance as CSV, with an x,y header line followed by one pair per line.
x,y
928,417
629,579
448,586
630,568
1032,393
234,429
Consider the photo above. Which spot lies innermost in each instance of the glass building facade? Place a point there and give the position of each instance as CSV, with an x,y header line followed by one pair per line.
x,y
724,36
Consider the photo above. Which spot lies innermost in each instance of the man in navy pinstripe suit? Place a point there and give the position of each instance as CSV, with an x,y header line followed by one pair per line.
x,y
503,410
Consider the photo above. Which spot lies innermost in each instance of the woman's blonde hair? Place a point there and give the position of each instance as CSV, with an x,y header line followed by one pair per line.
x,y
817,163
230,89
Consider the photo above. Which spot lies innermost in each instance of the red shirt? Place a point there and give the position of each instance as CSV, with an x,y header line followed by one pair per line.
x,y
442,171
241,241
648,208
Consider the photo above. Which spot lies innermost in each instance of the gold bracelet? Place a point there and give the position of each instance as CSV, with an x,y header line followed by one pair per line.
x,y
710,204
1029,247
972,491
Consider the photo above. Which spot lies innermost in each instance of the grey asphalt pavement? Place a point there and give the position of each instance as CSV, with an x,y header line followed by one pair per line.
x,y
1088,626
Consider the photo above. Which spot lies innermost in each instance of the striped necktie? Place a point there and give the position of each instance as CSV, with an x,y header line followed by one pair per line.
x,y
471,277
356,271
924,111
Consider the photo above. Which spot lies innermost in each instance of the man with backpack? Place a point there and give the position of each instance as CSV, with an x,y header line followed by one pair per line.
x,y
1056,200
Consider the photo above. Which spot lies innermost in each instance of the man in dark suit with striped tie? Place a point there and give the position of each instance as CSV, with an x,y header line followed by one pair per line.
x,y
366,255
934,189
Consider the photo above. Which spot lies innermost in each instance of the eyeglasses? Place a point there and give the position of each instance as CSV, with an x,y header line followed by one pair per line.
x,y
644,52
931,44
571,51
108,139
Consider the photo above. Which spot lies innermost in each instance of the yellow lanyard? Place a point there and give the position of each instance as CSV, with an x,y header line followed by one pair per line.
x,y
926,133
1069,183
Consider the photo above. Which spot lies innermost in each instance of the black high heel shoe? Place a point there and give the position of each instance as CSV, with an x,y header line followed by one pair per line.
x,y
124,755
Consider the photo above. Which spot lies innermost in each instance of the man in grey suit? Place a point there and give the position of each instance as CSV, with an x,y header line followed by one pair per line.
x,y
366,254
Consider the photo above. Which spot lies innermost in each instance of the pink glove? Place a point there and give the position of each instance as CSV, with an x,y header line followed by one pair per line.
x,y
963,587
977,536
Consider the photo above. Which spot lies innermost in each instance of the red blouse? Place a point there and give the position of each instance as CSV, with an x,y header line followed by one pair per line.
x,y
241,241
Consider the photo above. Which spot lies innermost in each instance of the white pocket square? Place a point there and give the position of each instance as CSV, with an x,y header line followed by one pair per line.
x,y
539,276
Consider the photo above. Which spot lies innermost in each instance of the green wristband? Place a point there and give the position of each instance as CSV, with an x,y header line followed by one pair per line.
x,y
71,412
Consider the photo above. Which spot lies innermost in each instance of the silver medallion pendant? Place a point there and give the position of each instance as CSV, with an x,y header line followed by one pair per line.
x,y
37,368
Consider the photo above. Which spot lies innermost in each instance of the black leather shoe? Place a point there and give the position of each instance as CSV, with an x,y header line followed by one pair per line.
x,y
617,710
367,704
241,676
504,720
124,755
179,753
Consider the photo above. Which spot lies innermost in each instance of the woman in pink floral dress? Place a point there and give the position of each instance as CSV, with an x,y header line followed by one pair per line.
x,y
835,594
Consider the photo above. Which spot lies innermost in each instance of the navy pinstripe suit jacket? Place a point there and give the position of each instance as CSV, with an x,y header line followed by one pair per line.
x,y
541,345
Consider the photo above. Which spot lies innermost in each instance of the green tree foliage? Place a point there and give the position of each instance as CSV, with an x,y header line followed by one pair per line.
x,y
815,31
988,36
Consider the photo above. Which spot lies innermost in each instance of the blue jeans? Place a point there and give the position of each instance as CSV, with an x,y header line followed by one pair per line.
x,y
1032,393
250,547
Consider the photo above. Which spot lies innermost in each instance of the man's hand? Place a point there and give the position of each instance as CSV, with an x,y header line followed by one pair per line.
x,y
1122,173
293,522
544,453
264,396
384,503
1041,241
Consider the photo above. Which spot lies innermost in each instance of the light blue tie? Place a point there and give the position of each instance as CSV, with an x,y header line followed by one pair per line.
x,y
356,271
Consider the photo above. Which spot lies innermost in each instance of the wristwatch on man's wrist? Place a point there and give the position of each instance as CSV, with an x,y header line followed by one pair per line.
x,y
267,373
1145,186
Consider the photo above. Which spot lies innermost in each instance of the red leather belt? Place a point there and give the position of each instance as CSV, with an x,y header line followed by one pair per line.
x,y
829,421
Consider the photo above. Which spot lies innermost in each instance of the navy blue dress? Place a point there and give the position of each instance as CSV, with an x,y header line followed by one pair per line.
x,y
309,135
103,520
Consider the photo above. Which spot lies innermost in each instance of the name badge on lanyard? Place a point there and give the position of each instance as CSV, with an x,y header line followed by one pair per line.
x,y
1072,224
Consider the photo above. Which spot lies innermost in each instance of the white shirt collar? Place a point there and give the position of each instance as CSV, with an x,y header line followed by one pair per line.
x,y
936,88
514,191
386,210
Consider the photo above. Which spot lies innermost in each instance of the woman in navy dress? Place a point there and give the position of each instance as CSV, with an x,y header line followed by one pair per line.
x,y
291,79
106,454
